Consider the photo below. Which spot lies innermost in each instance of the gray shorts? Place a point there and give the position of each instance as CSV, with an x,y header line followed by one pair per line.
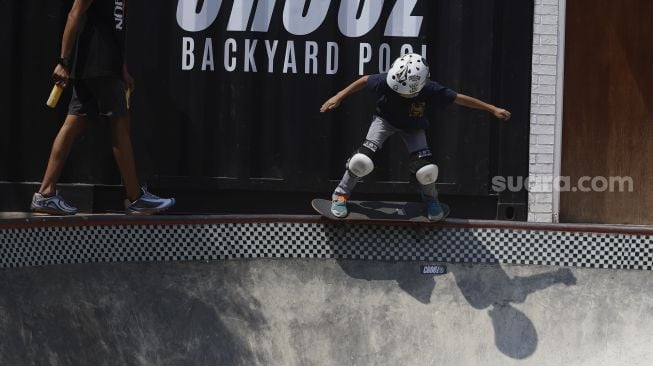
x,y
98,97
378,132
381,129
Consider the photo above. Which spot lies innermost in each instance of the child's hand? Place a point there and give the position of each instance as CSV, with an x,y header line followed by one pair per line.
x,y
502,114
330,104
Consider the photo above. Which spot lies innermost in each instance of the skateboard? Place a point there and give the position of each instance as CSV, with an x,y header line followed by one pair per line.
x,y
378,211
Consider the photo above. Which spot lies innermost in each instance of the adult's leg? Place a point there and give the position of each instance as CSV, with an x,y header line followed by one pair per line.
x,y
112,104
123,152
139,202
72,128
110,93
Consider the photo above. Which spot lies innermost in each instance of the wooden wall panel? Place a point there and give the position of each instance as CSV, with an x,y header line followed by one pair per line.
x,y
608,109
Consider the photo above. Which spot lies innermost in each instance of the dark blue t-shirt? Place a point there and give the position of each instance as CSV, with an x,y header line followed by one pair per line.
x,y
408,113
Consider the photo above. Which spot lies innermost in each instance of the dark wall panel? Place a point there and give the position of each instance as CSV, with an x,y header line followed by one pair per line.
x,y
262,131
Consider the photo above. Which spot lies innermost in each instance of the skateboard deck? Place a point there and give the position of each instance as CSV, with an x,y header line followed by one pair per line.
x,y
378,211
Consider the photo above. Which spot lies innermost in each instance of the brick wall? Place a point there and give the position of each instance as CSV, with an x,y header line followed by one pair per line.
x,y
544,109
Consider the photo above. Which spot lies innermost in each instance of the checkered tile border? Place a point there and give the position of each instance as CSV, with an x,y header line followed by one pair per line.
x,y
22,247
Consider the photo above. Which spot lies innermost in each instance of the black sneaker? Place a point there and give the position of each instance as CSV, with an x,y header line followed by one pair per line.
x,y
148,204
52,205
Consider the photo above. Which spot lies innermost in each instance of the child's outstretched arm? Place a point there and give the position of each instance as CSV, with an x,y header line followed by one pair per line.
x,y
471,102
335,100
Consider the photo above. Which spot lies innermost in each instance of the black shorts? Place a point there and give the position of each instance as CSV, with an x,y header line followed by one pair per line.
x,y
102,96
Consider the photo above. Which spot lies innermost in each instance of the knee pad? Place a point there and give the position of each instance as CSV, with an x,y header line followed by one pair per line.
x,y
427,174
361,163
422,166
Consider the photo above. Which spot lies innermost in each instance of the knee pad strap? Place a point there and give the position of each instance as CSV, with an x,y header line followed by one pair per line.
x,y
422,166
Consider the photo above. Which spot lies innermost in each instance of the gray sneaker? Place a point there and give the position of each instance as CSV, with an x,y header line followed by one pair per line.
x,y
148,204
339,205
52,205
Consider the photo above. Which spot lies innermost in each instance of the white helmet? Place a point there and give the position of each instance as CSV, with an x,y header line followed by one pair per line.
x,y
408,74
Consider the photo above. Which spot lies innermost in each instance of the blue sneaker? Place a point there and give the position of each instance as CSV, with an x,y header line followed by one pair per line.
x,y
434,210
339,205
148,204
51,205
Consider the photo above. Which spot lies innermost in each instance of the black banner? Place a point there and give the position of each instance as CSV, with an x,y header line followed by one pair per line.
x,y
228,92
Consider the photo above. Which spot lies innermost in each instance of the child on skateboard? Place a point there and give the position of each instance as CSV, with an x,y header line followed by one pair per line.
x,y
404,93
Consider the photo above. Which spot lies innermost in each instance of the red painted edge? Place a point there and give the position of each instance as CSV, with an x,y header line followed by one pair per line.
x,y
168,220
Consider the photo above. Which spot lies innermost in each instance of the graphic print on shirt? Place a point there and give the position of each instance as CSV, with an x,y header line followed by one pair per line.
x,y
417,109
119,14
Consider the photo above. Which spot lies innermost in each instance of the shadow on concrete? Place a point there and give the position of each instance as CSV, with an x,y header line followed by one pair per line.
x,y
483,286
406,274
123,314
490,287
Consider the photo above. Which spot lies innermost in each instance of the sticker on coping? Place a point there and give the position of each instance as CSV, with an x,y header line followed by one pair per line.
x,y
433,269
